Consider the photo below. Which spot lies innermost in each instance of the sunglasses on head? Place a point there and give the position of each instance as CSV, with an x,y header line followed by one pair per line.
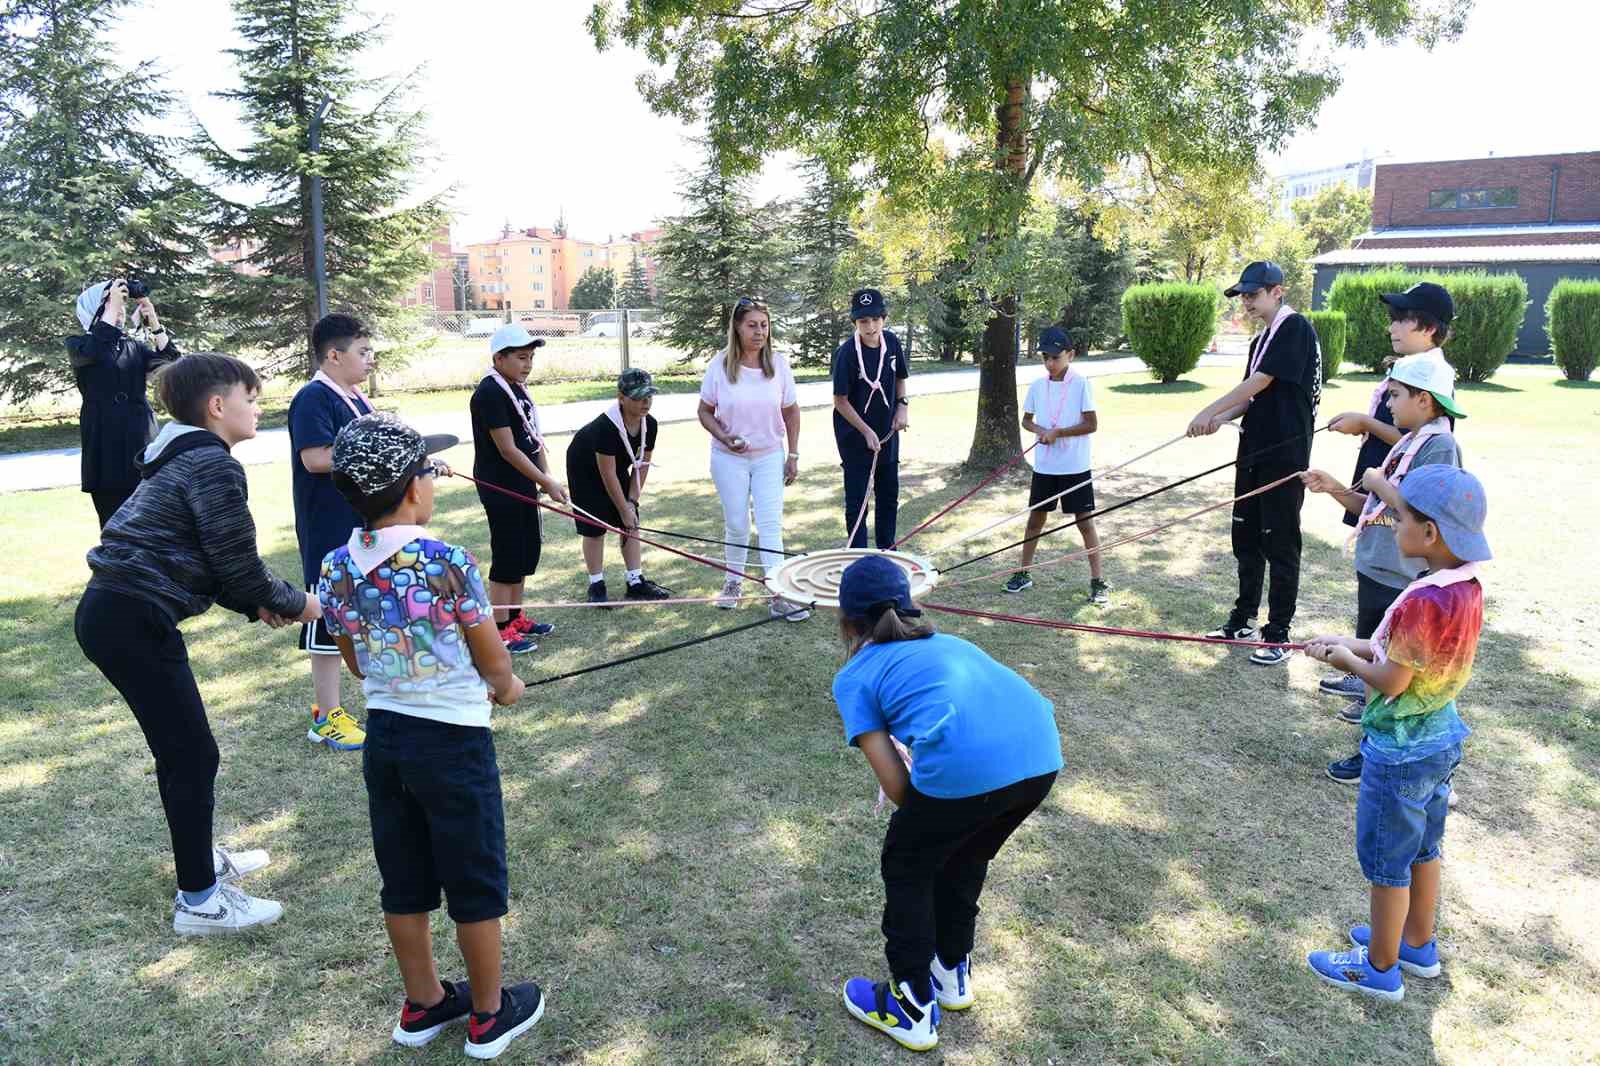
x,y
749,301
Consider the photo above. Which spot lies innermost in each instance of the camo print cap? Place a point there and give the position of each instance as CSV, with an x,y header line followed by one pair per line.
x,y
378,451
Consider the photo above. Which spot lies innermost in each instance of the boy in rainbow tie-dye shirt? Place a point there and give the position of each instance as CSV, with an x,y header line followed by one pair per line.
x,y
1416,663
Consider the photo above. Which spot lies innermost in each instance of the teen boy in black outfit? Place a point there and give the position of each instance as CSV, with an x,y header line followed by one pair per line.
x,y
1278,399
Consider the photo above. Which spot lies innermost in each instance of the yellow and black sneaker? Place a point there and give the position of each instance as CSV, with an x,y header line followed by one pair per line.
x,y
338,730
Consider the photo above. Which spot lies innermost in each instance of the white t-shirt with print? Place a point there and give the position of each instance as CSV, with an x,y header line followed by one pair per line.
x,y
1058,405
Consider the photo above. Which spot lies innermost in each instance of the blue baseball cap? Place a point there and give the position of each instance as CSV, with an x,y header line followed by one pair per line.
x,y
1262,274
868,303
1055,339
1455,500
874,581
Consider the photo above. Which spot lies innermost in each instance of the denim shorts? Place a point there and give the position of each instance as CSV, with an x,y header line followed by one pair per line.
x,y
433,792
1400,814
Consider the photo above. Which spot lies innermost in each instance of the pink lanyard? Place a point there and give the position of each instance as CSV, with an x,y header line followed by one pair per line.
x,y
322,376
1266,338
1061,404
635,464
528,414
876,384
1395,465
1438,580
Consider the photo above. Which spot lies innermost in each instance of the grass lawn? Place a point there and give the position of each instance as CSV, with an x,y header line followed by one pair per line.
x,y
692,848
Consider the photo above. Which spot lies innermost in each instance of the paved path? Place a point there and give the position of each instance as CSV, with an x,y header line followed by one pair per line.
x,y
60,466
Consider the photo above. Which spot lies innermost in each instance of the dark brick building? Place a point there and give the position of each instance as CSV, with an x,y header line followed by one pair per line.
x,y
1535,215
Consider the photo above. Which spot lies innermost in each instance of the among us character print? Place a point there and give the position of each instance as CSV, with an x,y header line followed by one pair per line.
x,y
403,616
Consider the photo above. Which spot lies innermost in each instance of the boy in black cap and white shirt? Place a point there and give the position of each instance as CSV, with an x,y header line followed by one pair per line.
x,y
412,619
1278,401
867,409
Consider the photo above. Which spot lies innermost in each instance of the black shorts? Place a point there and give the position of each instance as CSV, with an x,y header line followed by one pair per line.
x,y
433,794
602,508
515,538
1079,501
314,636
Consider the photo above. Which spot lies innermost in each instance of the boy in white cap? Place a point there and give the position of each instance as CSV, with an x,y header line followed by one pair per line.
x,y
508,451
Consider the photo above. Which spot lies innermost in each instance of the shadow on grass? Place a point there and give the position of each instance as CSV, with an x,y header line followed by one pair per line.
x,y
1159,387
694,829
1486,386
1568,383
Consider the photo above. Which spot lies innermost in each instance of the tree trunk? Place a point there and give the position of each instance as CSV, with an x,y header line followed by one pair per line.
x,y
997,435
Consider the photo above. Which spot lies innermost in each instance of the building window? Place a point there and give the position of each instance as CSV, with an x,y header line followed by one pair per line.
x,y
537,251
427,291
1472,199
539,304
538,286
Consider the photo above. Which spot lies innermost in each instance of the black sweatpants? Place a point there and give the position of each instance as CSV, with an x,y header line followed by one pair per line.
x,y
1373,599
857,463
106,501
1266,533
935,857
140,651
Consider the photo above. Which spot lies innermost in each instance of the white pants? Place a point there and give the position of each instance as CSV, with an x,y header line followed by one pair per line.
x,y
743,483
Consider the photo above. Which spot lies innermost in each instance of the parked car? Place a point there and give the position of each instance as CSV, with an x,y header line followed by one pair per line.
x,y
481,327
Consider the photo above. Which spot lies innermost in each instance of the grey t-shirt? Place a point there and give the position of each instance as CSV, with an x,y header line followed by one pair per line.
x,y
1377,553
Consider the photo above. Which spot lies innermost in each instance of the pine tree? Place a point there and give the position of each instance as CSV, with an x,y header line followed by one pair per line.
x,y
635,290
86,192
596,289
827,248
709,257
296,54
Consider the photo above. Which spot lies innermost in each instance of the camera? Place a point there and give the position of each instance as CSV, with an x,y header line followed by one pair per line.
x,y
137,289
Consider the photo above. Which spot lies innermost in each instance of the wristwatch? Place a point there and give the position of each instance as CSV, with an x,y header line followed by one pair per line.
x,y
794,455
158,329
903,400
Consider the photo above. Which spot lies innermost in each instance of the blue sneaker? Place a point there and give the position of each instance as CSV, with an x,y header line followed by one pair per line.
x,y
1347,685
894,1011
1418,962
1350,969
952,986
541,629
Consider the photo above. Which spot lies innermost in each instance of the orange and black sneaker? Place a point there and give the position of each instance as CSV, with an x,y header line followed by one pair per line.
x,y
419,1025
489,1034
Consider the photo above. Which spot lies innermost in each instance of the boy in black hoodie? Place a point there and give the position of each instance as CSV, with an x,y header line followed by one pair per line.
x,y
184,540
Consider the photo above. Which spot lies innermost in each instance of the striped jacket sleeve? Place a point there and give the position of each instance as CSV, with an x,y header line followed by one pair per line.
x,y
218,499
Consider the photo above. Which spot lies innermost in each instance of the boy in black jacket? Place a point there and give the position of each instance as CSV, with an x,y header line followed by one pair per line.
x,y
1278,398
184,540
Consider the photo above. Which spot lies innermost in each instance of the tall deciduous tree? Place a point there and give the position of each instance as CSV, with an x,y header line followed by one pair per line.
x,y
597,288
1333,217
296,54
1029,87
87,192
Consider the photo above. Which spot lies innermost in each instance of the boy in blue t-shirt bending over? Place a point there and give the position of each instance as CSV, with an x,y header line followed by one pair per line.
x,y
984,753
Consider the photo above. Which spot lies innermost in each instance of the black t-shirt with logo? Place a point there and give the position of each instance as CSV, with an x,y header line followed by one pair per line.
x,y
869,404
1284,414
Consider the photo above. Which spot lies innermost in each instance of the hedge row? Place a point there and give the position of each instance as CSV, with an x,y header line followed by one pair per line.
x,y
1572,318
1489,312
1169,325
1332,330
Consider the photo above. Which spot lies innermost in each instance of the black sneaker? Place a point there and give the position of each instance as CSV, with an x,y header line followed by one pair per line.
x,y
597,592
1346,771
1351,712
645,589
1020,582
1099,592
489,1034
1233,629
419,1025
1268,656
1342,685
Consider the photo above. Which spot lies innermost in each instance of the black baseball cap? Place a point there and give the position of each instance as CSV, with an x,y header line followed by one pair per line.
x,y
868,303
1055,339
1262,274
1424,296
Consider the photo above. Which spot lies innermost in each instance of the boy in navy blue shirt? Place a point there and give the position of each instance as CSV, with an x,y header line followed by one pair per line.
x,y
984,752
869,404
322,518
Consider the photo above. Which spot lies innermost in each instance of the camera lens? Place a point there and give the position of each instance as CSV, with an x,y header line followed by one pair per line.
x,y
137,290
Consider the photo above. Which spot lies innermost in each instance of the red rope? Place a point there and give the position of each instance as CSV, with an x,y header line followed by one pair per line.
x,y
592,520
1113,631
964,498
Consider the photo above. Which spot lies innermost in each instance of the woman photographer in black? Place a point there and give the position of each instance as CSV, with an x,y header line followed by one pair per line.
x,y
111,369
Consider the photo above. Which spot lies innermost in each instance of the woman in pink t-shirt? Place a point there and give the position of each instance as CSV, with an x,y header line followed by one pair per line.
x,y
748,405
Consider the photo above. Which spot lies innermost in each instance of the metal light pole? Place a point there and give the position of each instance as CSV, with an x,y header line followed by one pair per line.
x,y
319,265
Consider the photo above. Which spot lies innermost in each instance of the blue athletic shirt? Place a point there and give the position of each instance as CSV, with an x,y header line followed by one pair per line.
x,y
323,518
972,725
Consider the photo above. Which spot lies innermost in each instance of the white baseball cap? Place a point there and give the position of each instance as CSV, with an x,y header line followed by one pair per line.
x,y
513,335
1431,373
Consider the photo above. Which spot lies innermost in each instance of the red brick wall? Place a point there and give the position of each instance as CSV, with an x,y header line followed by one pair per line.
x,y
1467,240
1400,190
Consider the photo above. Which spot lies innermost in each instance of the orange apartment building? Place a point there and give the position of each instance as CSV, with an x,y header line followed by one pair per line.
x,y
535,269
436,290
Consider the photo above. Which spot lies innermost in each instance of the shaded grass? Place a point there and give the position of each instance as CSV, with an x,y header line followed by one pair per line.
x,y
693,858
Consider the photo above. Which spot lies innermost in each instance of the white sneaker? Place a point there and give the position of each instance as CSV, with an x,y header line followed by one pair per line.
x,y
788,610
952,987
229,910
728,598
232,865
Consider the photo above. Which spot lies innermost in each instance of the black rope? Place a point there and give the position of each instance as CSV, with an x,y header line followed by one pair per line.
x,y
708,540
1125,503
670,647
